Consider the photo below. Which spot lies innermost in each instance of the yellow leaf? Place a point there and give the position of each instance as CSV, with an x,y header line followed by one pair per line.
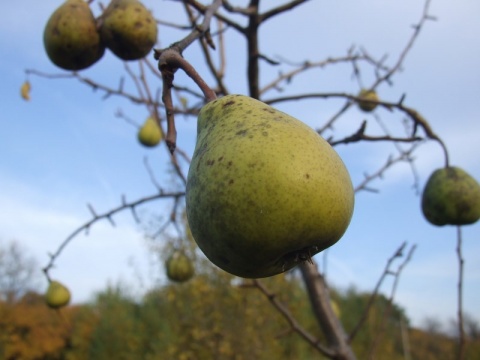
x,y
25,90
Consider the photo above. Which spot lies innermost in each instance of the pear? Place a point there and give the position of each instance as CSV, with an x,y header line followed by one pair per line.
x,y
149,134
179,267
368,95
128,29
264,191
57,295
451,197
70,37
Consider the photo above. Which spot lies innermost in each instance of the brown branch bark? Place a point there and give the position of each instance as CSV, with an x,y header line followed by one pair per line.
x,y
107,216
253,68
320,300
280,9
461,329
386,314
292,321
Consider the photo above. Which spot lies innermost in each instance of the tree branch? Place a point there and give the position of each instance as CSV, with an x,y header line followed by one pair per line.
x,y
280,9
461,329
107,215
320,301
283,310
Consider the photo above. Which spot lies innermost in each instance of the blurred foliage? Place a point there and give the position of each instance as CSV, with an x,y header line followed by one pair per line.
x,y
212,316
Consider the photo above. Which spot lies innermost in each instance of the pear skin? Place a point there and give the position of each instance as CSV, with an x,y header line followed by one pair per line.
x,y
128,29
451,197
149,134
264,191
368,95
70,37
179,267
57,295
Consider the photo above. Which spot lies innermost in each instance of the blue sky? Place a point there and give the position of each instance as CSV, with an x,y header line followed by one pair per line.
x,y
66,148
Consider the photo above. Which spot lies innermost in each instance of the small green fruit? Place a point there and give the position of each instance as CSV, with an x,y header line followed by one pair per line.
x,y
128,29
451,197
368,95
57,295
149,134
179,267
264,191
70,37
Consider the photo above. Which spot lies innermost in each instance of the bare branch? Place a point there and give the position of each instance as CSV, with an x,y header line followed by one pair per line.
x,y
361,136
282,8
107,215
202,9
388,309
417,28
94,85
403,156
319,296
308,65
461,329
397,254
295,326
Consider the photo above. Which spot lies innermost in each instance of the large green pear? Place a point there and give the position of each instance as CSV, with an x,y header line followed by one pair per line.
x,y
264,191
451,197
57,295
128,29
70,37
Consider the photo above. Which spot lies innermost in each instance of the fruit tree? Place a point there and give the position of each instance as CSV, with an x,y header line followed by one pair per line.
x,y
262,193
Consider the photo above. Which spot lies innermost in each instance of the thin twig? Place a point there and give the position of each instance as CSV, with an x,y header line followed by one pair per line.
x,y
295,326
386,314
398,253
461,329
404,156
107,215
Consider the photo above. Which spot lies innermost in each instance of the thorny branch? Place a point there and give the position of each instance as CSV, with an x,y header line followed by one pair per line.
x,y
388,309
108,216
387,271
295,326
307,65
403,156
461,329
361,136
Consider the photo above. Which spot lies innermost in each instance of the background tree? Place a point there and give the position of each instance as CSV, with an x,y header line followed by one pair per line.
x,y
18,271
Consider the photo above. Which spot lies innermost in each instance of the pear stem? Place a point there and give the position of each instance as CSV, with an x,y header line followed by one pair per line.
x,y
445,152
171,59
195,76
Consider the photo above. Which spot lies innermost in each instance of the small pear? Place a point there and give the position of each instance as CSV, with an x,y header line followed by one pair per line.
x,y
264,191
128,29
179,267
70,37
149,134
57,295
368,95
451,197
